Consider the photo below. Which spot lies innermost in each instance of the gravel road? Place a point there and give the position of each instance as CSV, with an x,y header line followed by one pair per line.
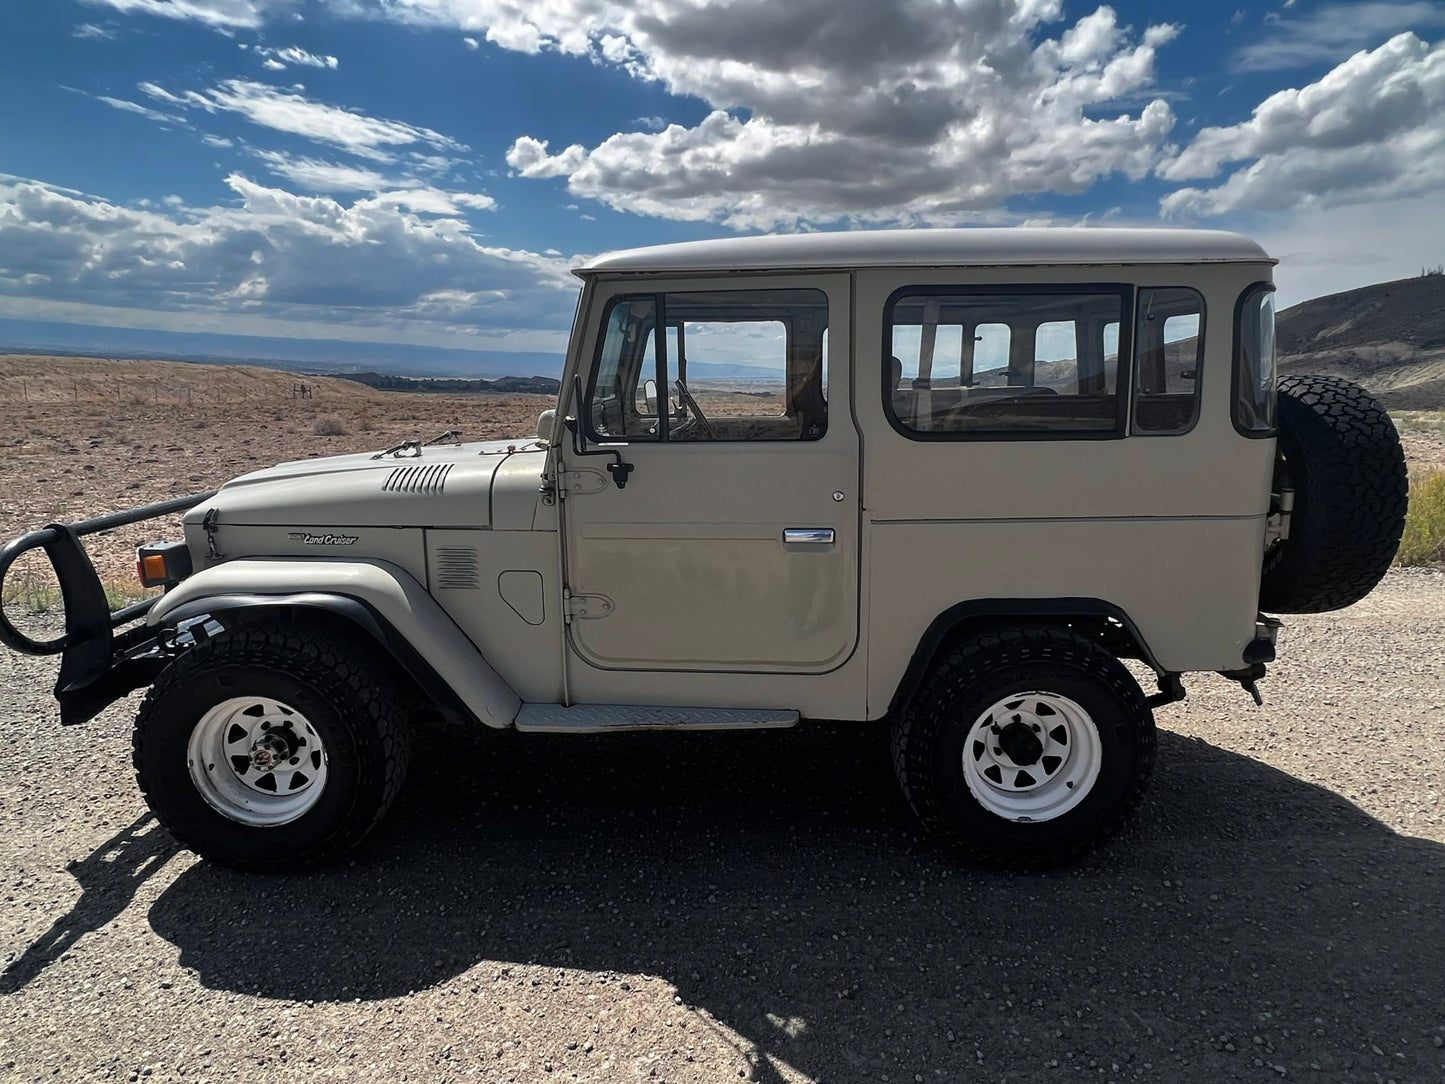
x,y
715,907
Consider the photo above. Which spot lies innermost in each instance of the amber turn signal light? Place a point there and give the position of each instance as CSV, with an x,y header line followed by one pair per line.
x,y
162,564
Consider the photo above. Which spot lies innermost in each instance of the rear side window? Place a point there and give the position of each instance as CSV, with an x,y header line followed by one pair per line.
x,y
1026,363
1169,350
1254,362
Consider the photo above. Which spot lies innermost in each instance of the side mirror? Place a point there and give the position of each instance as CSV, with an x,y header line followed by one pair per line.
x,y
649,398
546,421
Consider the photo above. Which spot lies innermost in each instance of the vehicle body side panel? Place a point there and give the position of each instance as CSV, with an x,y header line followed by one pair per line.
x,y
400,546
1162,573
387,589
496,613
515,492
1168,528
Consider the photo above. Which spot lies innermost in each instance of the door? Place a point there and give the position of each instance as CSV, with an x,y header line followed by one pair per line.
x,y
733,545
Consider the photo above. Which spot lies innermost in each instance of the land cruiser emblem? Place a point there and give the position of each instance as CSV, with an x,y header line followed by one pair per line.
x,y
309,539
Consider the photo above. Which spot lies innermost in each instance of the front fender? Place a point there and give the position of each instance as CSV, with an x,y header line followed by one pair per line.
x,y
409,620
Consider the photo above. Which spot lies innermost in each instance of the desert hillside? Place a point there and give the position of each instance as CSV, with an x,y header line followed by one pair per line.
x,y
1390,337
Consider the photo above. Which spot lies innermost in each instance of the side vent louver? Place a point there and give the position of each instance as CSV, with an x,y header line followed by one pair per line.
x,y
456,567
425,480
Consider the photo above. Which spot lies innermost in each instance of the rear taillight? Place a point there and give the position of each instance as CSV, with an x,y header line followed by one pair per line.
x,y
162,564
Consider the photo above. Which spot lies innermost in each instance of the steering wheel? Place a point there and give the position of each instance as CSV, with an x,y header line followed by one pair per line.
x,y
697,413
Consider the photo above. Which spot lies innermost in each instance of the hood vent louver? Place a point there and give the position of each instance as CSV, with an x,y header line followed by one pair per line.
x,y
455,567
424,480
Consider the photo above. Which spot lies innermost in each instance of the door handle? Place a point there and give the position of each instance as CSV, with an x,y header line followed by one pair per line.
x,y
803,536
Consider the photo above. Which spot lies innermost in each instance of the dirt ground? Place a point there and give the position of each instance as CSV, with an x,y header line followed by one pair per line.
x,y
710,907
83,436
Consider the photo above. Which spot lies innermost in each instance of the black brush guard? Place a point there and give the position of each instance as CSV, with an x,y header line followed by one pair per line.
x,y
98,665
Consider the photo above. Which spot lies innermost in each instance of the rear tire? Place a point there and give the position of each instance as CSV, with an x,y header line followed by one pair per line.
x,y
271,749
1347,468
964,755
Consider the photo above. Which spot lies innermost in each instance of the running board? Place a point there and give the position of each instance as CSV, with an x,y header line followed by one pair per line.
x,y
606,718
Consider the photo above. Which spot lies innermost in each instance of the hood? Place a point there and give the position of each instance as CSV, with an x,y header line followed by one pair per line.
x,y
446,485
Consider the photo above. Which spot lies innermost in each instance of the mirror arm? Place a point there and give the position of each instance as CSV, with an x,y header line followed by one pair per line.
x,y
617,468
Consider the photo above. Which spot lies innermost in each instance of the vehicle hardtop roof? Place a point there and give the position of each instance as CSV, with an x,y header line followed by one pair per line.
x,y
966,247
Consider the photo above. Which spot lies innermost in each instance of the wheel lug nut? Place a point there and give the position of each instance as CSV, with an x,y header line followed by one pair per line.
x,y
265,726
1036,728
295,760
997,751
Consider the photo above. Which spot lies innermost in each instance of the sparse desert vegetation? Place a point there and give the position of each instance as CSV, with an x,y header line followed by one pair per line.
x,y
1424,540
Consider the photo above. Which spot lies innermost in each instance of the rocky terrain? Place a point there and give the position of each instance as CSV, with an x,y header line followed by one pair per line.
x,y
1389,337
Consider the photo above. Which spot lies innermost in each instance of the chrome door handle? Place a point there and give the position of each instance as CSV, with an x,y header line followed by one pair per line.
x,y
816,536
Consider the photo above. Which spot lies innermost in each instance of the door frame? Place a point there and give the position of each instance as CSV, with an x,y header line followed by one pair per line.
x,y
842,437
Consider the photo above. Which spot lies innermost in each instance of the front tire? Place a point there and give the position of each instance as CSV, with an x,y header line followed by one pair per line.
x,y
1025,747
271,749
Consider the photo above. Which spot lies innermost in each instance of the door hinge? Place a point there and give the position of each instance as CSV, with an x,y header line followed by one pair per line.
x,y
582,481
584,606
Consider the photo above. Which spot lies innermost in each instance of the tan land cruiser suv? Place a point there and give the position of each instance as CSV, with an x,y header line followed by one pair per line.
x,y
946,479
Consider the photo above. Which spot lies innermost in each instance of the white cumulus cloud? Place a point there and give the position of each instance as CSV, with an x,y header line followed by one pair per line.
x,y
839,109
1372,128
377,261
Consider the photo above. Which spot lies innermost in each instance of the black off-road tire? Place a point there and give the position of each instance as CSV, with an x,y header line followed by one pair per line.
x,y
339,685
970,676
1343,458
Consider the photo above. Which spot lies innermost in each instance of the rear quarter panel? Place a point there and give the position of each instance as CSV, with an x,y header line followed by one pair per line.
x,y
1168,528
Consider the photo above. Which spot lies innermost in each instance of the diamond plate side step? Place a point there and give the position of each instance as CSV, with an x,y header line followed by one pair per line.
x,y
606,718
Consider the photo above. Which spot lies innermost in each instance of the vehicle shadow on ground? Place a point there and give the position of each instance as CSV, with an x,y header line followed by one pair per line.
x,y
109,878
776,880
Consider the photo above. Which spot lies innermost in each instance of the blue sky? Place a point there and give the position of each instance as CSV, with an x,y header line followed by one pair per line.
x,y
426,171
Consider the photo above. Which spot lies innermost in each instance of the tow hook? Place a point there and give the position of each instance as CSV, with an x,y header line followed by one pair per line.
x,y
1247,678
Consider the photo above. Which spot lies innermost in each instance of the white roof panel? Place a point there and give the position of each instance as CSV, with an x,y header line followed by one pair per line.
x,y
977,247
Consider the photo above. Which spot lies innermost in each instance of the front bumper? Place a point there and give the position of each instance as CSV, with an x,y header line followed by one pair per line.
x,y
98,665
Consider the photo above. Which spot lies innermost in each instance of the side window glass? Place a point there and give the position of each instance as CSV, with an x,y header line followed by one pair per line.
x,y
626,360
747,365
991,363
736,365
1169,353
1254,362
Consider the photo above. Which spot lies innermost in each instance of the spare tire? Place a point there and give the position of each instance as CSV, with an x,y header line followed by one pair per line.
x,y
1342,457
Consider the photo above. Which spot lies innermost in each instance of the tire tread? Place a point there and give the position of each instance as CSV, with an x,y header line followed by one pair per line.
x,y
959,665
339,669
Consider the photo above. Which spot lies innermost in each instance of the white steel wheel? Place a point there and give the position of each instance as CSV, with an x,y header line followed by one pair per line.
x,y
257,761
1032,756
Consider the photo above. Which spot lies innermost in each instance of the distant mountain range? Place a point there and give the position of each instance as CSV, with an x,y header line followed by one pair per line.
x,y
326,356
1390,337
308,355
